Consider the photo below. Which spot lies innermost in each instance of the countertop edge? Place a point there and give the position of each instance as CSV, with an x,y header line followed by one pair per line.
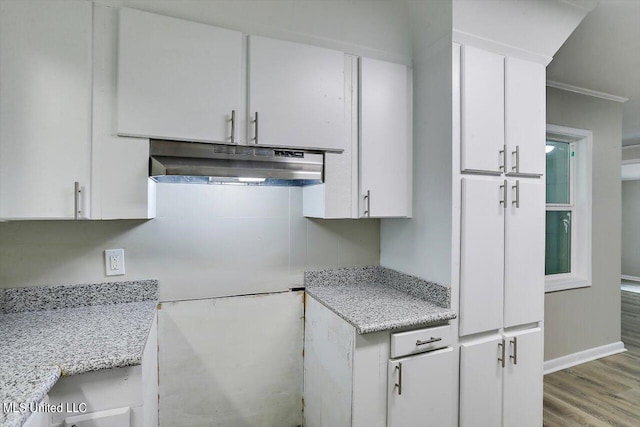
x,y
445,315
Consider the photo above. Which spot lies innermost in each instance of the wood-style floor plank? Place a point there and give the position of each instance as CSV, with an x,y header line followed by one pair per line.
x,y
605,392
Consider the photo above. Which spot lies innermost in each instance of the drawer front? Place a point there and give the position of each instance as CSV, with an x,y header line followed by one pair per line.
x,y
420,340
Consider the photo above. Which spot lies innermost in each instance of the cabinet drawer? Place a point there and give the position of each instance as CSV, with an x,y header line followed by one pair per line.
x,y
411,342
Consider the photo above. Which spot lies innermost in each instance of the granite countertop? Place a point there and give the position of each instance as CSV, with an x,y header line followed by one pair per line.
x,y
374,299
54,331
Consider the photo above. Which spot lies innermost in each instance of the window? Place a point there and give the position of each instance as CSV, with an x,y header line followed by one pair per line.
x,y
568,209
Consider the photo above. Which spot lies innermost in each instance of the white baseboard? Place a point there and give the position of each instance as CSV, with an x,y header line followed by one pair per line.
x,y
630,278
580,357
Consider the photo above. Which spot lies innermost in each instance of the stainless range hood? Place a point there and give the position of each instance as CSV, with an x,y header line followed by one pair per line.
x,y
195,162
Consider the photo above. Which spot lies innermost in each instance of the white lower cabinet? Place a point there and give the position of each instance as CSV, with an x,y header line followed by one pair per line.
x,y
38,419
421,390
522,387
501,380
378,379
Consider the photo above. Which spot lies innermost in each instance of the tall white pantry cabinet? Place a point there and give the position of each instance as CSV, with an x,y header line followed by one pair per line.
x,y
499,103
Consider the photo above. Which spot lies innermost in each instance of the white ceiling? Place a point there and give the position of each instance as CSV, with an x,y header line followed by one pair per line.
x,y
603,54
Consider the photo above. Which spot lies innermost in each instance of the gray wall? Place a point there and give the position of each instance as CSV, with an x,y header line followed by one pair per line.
x,y
207,241
422,245
631,228
580,319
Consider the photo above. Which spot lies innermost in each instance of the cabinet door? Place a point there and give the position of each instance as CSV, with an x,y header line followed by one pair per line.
x,y
524,254
482,255
297,92
177,79
421,391
523,379
45,108
482,110
385,146
525,116
481,383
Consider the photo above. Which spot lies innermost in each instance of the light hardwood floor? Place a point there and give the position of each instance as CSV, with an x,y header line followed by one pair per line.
x,y
602,393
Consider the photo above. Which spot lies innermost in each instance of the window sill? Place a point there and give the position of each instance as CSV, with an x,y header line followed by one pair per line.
x,y
565,283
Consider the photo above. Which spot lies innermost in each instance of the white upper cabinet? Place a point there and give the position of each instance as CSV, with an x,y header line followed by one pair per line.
x,y
524,253
385,143
295,95
45,109
120,185
178,79
525,116
482,255
502,114
482,111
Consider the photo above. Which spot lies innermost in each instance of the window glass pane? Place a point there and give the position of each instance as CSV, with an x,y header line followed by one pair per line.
x,y
558,157
558,242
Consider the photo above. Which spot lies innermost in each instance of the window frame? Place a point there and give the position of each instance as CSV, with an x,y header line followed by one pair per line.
x,y
580,195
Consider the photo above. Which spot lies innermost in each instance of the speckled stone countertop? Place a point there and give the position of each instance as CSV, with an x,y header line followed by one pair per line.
x,y
54,331
374,299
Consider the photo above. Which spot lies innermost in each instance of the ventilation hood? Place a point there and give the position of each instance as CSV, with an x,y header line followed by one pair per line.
x,y
196,162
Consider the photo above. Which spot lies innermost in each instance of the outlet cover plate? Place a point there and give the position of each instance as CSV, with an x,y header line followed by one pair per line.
x,y
114,262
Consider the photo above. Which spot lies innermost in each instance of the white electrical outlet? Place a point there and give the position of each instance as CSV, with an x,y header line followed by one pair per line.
x,y
114,262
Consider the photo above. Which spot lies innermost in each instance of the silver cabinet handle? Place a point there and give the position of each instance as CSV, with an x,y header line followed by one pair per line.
x,y
429,341
233,126
503,187
367,197
516,168
398,385
517,188
503,153
255,130
77,210
514,342
502,351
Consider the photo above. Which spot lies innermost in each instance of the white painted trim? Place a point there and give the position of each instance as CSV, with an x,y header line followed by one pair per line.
x,y
464,38
584,356
585,91
555,285
630,278
581,259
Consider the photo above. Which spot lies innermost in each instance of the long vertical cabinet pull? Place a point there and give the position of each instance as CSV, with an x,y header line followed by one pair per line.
x,y
516,153
514,356
503,154
77,210
367,197
398,385
502,359
255,134
233,126
503,187
517,199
